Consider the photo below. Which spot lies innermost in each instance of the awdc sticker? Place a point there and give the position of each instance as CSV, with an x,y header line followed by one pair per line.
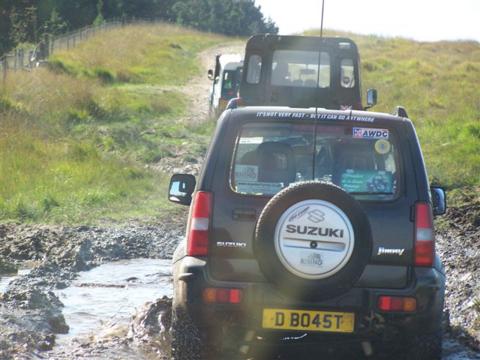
x,y
382,146
369,133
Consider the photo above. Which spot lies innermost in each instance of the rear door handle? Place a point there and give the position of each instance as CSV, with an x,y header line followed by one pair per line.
x,y
244,214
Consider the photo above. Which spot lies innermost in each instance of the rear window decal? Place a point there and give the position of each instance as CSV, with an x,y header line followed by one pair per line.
x,y
299,115
251,140
356,181
247,173
383,146
262,188
370,133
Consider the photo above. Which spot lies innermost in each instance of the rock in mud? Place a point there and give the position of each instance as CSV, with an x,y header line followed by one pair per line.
x,y
7,267
29,321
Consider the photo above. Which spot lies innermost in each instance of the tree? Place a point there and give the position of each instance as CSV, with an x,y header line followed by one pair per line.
x,y
99,19
228,17
55,25
29,20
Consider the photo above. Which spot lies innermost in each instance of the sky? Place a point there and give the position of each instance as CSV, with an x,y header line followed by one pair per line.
x,y
423,20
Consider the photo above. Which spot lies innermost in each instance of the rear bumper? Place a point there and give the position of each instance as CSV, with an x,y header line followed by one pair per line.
x,y
427,286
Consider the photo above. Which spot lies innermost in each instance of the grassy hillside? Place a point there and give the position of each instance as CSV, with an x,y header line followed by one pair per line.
x,y
439,85
75,137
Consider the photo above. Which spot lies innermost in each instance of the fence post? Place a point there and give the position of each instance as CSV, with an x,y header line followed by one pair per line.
x,y
46,44
21,58
15,59
51,44
5,70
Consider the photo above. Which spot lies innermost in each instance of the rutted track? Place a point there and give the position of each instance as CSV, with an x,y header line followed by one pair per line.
x,y
31,313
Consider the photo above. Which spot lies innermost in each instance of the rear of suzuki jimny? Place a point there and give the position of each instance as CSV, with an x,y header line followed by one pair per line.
x,y
356,259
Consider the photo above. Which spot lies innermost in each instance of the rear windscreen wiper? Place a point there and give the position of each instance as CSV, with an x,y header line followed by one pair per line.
x,y
370,193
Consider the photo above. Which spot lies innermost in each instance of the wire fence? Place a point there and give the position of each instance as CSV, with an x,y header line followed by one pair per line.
x,y
21,59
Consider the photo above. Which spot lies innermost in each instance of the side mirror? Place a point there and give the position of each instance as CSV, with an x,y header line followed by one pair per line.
x,y
439,201
371,98
210,74
181,189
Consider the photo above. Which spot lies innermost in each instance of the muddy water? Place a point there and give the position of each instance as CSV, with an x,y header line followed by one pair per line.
x,y
108,295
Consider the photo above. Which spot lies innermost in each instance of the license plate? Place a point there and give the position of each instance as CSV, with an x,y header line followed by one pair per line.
x,y
327,321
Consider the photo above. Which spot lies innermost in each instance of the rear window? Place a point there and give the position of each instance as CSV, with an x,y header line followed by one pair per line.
x,y
270,156
300,68
347,73
254,69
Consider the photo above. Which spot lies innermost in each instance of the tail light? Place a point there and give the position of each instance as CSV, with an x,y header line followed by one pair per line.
x,y
222,296
198,228
424,236
397,304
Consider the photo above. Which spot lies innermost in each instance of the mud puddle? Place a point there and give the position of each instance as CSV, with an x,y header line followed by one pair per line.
x,y
107,296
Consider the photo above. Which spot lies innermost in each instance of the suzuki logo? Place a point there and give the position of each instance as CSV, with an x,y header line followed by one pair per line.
x,y
316,216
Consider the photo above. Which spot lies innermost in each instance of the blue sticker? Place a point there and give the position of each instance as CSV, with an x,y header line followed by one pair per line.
x,y
367,181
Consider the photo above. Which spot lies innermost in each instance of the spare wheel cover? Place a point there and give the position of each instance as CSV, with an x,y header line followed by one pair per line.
x,y
314,239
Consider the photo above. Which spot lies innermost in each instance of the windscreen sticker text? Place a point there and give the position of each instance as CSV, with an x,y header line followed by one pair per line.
x,y
251,140
247,173
320,116
262,188
369,133
380,182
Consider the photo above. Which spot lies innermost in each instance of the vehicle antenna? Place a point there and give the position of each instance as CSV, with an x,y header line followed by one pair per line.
x,y
320,47
321,24
318,87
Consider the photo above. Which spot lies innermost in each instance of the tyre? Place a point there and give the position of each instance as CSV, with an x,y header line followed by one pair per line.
x,y
186,337
313,241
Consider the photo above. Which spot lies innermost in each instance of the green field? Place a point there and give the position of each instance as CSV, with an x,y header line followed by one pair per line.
x,y
76,137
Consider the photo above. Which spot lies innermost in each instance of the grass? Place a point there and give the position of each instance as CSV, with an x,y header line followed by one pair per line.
x,y
75,138
161,55
438,84
60,180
